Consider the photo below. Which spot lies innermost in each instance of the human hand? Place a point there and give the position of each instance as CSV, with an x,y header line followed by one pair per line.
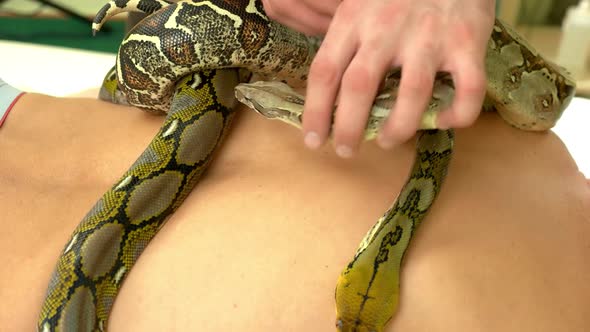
x,y
367,38
311,17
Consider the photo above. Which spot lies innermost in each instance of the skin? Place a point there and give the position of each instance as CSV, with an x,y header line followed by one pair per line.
x,y
363,39
248,251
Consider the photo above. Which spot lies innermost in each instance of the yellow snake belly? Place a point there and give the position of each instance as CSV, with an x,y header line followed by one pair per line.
x,y
185,59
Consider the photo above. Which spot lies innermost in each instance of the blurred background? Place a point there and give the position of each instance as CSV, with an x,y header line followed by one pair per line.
x,y
534,12
58,22
53,22
560,37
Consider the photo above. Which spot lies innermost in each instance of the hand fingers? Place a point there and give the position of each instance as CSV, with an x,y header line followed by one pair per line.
x,y
345,57
466,63
357,92
323,83
414,94
470,88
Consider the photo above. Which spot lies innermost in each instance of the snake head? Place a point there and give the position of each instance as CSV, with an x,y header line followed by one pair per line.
x,y
360,308
273,100
347,326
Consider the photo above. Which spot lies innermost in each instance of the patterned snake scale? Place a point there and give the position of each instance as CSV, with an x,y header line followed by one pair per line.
x,y
186,59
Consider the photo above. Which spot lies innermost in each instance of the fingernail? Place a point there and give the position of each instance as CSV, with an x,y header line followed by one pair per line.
x,y
344,151
385,143
312,140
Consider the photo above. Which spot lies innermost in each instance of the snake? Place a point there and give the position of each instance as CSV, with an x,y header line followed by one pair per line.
x,y
193,61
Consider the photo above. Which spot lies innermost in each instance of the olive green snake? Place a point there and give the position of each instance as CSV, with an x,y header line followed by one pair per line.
x,y
189,60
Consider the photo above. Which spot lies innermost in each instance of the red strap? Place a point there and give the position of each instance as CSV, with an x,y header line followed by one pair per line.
x,y
10,108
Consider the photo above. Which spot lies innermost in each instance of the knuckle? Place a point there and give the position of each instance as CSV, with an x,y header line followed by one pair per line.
x,y
464,32
416,83
429,46
474,86
324,70
359,78
348,10
376,44
428,43
388,16
393,10
430,20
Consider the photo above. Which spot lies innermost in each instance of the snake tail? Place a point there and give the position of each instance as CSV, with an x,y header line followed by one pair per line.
x,y
115,7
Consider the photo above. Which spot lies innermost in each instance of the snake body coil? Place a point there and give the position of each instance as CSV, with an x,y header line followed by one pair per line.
x,y
185,59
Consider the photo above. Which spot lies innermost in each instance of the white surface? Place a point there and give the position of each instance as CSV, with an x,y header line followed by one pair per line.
x,y
574,130
61,72
52,70
575,41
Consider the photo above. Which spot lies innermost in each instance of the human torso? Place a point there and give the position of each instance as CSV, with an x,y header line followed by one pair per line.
x,y
260,242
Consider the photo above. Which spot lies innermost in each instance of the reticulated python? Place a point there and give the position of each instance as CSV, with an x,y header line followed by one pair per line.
x,y
185,59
